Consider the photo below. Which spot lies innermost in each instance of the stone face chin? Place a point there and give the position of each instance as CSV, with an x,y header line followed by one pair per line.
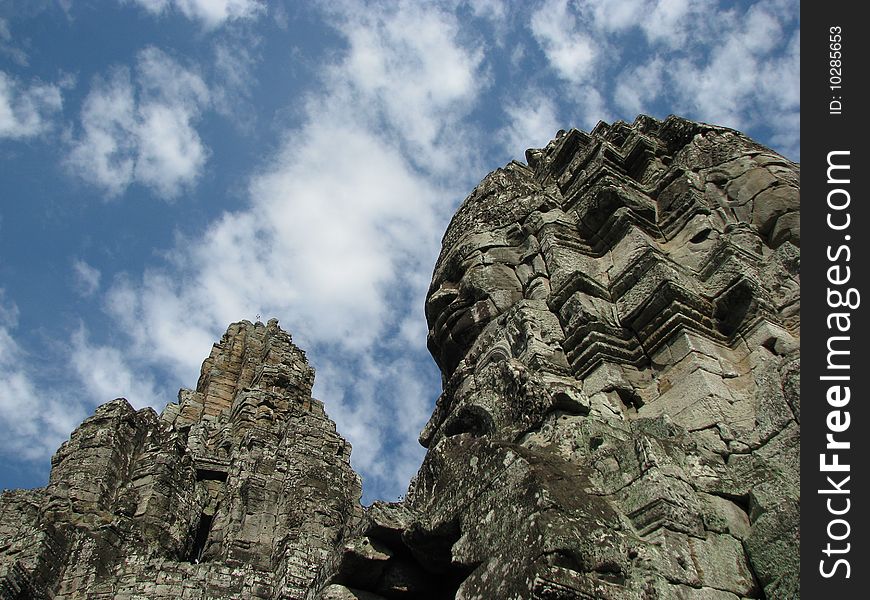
x,y
617,325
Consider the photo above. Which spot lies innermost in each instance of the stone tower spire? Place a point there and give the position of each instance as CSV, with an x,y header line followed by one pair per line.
x,y
238,490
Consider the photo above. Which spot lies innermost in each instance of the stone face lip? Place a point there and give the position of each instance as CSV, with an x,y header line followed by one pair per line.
x,y
617,325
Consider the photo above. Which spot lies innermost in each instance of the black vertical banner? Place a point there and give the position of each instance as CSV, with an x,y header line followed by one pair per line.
x,y
835,300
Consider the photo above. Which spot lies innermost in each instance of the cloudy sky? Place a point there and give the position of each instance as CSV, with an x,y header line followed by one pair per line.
x,y
172,166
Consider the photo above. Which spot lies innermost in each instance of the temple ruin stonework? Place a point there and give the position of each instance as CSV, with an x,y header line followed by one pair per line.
x,y
617,327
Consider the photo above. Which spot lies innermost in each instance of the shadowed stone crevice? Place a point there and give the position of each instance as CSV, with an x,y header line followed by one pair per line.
x,y
473,420
200,539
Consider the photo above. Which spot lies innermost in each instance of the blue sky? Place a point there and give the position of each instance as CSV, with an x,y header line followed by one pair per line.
x,y
171,166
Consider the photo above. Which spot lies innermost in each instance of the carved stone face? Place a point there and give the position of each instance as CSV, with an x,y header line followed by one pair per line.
x,y
480,272
621,314
620,262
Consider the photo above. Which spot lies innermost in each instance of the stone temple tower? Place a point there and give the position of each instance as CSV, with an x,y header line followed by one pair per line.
x,y
239,490
617,325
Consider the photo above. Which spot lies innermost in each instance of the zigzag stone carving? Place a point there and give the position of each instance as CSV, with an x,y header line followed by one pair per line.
x,y
617,325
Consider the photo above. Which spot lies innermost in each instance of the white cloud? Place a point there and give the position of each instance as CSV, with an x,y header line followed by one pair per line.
x,y
164,80
155,7
27,111
499,15
380,406
280,16
749,79
36,415
343,225
32,425
322,246
669,22
106,375
591,107
87,278
726,65
570,51
639,85
531,124
147,138
7,47
106,155
408,69
166,322
613,16
781,89
9,314
211,13
33,420
673,22
235,62
171,155
493,10
727,85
